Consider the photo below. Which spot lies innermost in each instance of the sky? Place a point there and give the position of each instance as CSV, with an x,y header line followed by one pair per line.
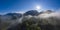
x,y
11,6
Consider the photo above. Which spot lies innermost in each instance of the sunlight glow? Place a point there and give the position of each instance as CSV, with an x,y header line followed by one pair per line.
x,y
38,7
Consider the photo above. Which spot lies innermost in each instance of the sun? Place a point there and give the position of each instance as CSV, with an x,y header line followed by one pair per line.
x,y
38,7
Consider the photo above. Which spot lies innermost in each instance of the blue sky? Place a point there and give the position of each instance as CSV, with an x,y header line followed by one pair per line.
x,y
7,6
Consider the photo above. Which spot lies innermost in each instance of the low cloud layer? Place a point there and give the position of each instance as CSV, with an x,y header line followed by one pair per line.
x,y
47,15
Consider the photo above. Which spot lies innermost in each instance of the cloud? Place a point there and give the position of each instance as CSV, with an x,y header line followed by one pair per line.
x,y
52,14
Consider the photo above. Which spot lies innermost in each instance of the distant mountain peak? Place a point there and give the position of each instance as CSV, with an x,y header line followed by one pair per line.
x,y
49,11
31,12
46,11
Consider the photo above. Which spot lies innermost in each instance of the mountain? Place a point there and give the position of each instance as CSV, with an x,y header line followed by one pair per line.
x,y
31,12
15,14
10,16
46,11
